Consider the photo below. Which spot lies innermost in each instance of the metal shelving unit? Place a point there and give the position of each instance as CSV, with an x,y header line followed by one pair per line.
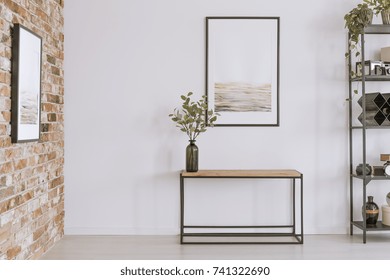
x,y
365,179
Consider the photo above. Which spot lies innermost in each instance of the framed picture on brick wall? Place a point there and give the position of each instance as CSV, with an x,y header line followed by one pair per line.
x,y
26,85
242,70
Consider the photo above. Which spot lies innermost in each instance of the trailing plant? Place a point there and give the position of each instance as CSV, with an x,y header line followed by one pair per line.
x,y
355,21
193,116
378,5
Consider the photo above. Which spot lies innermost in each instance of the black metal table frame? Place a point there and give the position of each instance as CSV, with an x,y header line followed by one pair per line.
x,y
297,236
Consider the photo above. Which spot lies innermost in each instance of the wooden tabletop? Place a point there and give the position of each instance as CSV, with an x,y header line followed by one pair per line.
x,y
261,173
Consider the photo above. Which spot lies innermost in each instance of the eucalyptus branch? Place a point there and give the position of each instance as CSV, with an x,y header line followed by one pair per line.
x,y
193,117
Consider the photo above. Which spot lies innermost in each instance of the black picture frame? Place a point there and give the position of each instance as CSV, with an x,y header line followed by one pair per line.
x,y
242,70
26,85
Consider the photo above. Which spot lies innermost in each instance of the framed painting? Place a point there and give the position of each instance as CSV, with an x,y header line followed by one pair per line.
x,y
26,85
242,70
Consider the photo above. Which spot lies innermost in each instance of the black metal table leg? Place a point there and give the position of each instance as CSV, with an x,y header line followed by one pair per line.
x,y
294,222
181,208
302,208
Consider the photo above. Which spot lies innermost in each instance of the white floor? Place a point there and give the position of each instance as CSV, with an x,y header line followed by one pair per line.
x,y
315,247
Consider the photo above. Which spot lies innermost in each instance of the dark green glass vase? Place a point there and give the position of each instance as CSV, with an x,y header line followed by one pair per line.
x,y
192,155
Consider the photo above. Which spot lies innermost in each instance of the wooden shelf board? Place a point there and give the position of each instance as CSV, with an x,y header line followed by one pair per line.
x,y
272,173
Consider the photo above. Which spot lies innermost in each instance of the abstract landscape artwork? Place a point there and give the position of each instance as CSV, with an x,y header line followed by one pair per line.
x,y
242,97
29,101
26,85
242,70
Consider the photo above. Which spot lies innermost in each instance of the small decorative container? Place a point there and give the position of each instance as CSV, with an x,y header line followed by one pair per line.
x,y
359,169
385,16
372,212
378,171
386,215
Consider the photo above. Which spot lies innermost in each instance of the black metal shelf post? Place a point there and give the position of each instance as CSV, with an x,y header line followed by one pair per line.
x,y
365,178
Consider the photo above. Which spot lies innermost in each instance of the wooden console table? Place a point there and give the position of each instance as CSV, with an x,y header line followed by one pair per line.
x,y
296,237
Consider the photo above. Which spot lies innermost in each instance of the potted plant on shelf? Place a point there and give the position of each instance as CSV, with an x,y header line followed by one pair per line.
x,y
193,119
382,7
355,21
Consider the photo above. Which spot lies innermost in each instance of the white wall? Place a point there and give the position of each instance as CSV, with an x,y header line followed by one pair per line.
x,y
126,64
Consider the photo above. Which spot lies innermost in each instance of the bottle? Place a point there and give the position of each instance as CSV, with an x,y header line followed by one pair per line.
x,y
372,212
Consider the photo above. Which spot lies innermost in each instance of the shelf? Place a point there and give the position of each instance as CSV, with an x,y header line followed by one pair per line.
x,y
372,78
372,127
371,177
377,29
378,227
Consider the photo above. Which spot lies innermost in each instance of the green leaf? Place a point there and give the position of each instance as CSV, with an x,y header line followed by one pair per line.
x,y
183,97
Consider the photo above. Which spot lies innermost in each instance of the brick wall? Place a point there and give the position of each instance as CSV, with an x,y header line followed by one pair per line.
x,y
31,174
